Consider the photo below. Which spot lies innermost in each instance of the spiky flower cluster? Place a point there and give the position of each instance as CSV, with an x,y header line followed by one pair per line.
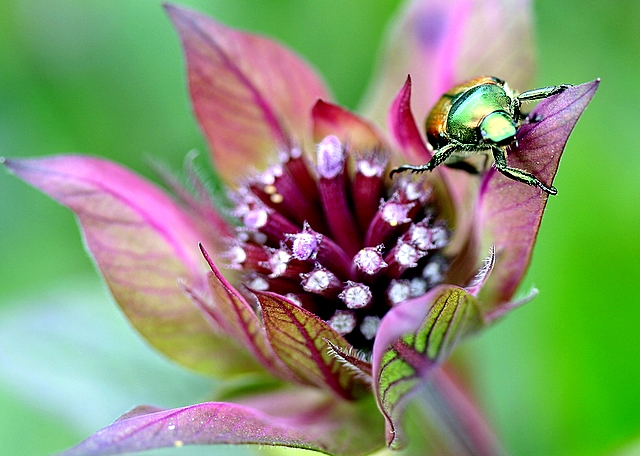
x,y
338,239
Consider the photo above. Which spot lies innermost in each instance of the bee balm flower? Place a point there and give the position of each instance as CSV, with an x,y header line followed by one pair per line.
x,y
349,288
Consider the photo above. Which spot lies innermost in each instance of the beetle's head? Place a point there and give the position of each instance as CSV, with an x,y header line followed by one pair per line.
x,y
498,128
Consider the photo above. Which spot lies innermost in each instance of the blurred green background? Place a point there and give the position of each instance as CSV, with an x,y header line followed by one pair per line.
x,y
559,377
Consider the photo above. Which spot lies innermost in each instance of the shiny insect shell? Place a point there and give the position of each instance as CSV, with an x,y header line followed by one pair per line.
x,y
479,116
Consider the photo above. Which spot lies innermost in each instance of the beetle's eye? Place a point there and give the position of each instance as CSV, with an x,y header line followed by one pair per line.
x,y
498,127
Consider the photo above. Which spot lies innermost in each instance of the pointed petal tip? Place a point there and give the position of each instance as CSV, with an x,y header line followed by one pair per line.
x,y
171,8
207,257
179,15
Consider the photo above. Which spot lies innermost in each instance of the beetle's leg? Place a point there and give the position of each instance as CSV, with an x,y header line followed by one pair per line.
x,y
440,156
518,174
543,92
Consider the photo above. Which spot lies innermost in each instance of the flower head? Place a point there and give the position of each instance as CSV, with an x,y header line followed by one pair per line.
x,y
348,287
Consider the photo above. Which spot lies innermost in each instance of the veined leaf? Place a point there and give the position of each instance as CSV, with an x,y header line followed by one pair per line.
x,y
413,339
511,212
143,243
249,93
240,321
321,424
302,341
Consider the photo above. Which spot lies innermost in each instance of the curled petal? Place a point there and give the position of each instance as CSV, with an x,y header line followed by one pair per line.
x,y
252,96
444,42
403,127
319,423
143,243
331,119
510,212
413,339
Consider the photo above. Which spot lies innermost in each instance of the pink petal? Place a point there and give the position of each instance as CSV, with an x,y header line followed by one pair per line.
x,y
251,95
143,243
303,342
444,42
454,189
320,424
403,127
352,130
511,212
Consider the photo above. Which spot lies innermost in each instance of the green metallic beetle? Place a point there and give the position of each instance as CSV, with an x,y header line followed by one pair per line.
x,y
479,116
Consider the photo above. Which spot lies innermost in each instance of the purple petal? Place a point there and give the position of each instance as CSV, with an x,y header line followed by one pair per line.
x,y
403,127
143,243
510,212
251,95
452,187
320,424
303,342
414,338
357,133
444,42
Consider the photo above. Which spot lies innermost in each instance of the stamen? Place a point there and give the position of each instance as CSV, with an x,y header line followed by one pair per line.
x,y
418,287
433,272
369,260
415,191
402,257
369,326
439,237
367,188
421,237
343,322
246,256
395,213
256,218
356,295
331,157
236,255
278,262
320,281
276,198
311,245
305,244
407,256
270,189
294,299
258,283
398,291
332,187
390,216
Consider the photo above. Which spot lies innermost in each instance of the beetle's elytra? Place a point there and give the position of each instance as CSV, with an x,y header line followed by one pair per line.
x,y
479,116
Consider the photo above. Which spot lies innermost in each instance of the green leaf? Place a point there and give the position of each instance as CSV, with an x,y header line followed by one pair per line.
x,y
239,320
413,339
302,341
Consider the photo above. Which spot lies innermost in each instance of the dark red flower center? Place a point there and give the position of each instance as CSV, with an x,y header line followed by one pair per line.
x,y
338,238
